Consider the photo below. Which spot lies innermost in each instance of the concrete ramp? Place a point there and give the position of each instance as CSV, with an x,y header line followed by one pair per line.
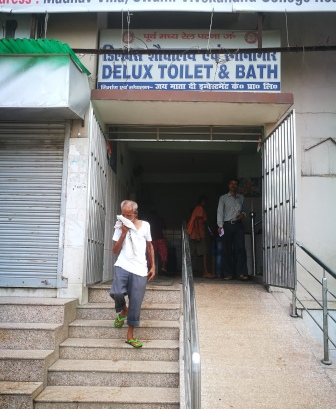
x,y
254,355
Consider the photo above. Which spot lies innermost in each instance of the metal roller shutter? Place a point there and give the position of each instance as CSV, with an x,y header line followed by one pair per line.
x,y
31,169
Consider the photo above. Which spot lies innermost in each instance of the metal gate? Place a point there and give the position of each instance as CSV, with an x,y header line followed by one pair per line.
x,y
32,192
279,203
97,203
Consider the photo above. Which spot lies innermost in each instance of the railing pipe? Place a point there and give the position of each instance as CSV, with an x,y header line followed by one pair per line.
x,y
318,261
326,359
254,264
192,357
294,313
326,339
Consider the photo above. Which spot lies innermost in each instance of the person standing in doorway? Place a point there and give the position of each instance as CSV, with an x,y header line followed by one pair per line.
x,y
157,225
196,231
132,238
230,214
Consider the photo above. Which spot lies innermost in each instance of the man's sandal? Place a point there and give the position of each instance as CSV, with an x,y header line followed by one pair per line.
x,y
134,342
119,321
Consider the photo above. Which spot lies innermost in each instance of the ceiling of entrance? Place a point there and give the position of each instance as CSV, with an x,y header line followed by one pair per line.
x,y
194,116
190,108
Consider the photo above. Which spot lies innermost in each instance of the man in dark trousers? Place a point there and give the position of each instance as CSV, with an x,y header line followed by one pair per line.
x,y
230,214
131,240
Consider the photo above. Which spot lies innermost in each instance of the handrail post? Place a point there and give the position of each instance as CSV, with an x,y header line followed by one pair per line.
x,y
196,382
254,267
192,358
326,359
294,313
322,302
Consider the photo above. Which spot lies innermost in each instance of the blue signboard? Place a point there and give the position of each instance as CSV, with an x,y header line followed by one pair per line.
x,y
184,71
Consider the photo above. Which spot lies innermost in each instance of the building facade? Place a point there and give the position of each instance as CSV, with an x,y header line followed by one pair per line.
x,y
161,103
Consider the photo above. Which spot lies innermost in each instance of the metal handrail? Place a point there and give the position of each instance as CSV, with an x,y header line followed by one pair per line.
x,y
252,215
318,261
324,305
192,357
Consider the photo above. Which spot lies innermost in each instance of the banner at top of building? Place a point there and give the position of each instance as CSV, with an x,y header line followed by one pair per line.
x,y
217,6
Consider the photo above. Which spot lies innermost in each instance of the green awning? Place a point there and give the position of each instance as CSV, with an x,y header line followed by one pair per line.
x,y
27,46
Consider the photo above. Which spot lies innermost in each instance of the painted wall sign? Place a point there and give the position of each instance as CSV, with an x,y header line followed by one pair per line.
x,y
186,71
220,6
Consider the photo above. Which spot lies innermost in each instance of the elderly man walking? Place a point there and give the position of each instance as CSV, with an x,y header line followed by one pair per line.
x,y
132,238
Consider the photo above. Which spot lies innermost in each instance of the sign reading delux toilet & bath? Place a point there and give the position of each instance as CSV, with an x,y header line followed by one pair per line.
x,y
187,70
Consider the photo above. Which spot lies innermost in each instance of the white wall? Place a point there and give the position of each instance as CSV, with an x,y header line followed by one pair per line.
x,y
78,30
23,24
316,217
311,77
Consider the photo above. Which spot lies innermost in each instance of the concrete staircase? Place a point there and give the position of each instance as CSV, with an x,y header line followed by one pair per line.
x,y
31,330
97,369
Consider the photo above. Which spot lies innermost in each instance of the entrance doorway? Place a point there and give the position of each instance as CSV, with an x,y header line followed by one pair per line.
x,y
173,166
158,153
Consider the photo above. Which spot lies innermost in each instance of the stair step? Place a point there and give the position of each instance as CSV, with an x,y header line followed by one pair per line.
x,y
116,349
57,397
31,335
19,394
23,309
154,294
25,365
103,311
71,372
105,329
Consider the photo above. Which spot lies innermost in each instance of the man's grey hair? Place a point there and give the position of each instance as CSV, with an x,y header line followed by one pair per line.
x,y
129,203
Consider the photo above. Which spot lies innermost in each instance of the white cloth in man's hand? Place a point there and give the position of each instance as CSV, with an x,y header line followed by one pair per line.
x,y
131,236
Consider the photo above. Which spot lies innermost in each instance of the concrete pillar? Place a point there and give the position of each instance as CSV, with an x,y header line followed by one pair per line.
x,y
75,230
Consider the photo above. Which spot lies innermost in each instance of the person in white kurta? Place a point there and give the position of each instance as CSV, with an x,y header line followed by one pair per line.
x,y
132,239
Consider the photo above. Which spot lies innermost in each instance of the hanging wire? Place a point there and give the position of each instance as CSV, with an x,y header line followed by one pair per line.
x,y
138,38
122,29
46,24
100,64
123,60
128,30
214,78
287,29
224,61
184,52
208,46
